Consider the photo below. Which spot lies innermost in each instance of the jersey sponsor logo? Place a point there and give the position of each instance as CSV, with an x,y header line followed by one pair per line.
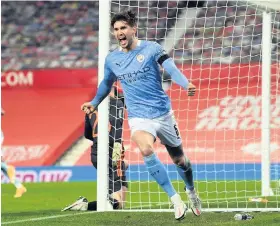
x,y
134,76
140,58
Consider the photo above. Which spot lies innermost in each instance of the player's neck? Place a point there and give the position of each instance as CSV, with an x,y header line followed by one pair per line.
x,y
132,46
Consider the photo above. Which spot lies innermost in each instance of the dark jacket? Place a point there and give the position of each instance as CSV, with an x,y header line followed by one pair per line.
x,y
115,123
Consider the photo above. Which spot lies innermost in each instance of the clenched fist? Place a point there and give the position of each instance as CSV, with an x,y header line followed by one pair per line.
x,y
87,107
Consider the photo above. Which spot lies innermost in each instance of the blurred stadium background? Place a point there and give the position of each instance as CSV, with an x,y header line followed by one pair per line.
x,y
49,64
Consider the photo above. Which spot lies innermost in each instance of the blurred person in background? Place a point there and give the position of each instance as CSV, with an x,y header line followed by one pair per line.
x,y
117,165
10,170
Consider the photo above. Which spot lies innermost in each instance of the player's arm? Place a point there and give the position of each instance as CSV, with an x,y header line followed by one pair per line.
x,y
169,66
177,76
102,92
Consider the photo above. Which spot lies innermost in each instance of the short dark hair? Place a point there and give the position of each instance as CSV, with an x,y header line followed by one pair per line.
x,y
127,16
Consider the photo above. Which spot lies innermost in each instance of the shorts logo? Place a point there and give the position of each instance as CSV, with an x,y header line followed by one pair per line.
x,y
140,58
176,131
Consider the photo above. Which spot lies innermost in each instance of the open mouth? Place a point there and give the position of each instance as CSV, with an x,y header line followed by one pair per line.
x,y
122,41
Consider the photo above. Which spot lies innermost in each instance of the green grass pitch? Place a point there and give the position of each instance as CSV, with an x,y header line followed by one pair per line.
x,y
42,203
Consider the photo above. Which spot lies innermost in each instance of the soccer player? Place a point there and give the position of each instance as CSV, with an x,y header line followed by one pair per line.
x,y
136,65
10,171
117,166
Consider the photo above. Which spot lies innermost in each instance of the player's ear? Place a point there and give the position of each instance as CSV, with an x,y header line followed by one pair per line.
x,y
134,28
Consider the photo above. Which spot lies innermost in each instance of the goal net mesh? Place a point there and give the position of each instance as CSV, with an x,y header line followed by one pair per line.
x,y
217,45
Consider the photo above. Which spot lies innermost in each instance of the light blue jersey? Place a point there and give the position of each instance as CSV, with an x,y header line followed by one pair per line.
x,y
139,73
140,77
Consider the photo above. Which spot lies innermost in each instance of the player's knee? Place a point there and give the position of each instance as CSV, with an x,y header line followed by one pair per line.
x,y
179,161
144,141
176,153
184,163
147,150
178,156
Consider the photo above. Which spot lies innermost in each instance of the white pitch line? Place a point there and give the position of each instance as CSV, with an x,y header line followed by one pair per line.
x,y
46,218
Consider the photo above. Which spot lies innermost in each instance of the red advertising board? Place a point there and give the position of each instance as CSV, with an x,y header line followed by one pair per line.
x,y
49,78
40,124
221,124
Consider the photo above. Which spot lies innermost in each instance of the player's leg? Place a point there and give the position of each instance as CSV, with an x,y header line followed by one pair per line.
x,y
10,172
170,137
184,168
158,171
144,141
144,134
183,165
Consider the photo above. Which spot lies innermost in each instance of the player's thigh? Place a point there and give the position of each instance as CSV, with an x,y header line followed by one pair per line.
x,y
143,133
168,132
143,139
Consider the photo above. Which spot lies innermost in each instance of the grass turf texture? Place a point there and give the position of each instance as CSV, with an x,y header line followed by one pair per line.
x,y
45,200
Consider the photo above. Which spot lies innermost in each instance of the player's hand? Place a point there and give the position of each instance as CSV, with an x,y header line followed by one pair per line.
x,y
87,108
191,90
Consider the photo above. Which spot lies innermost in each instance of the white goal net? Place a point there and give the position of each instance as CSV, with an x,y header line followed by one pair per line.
x,y
218,46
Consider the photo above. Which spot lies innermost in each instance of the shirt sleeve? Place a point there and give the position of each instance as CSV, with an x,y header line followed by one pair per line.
x,y
158,51
105,86
176,75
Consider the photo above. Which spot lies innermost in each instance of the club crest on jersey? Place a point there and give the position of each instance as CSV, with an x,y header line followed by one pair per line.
x,y
140,58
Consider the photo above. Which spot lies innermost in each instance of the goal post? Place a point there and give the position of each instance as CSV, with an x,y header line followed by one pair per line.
x,y
103,139
266,94
230,130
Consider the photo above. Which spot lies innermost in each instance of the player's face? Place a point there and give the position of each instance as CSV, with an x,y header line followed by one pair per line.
x,y
124,34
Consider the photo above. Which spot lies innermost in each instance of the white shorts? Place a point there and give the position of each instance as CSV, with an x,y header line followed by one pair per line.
x,y
164,127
